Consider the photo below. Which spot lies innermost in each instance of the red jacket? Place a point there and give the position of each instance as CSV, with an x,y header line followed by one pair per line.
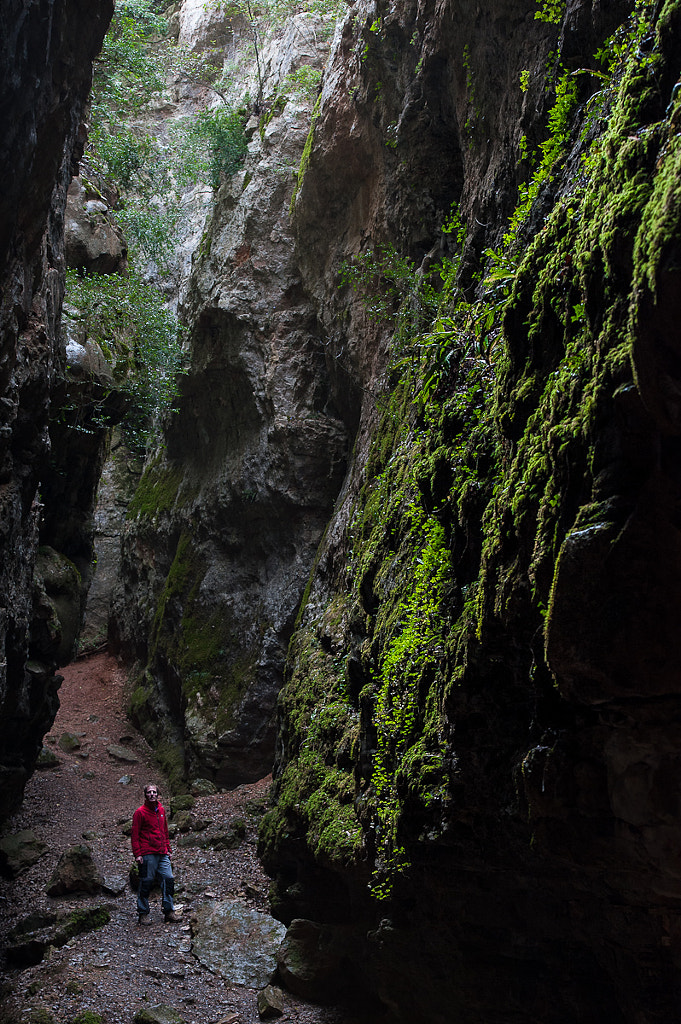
x,y
149,831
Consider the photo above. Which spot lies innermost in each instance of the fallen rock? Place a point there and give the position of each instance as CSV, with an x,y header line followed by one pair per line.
x,y
308,964
270,1002
203,787
182,802
47,759
68,742
30,939
160,1014
122,754
19,851
229,839
76,871
236,942
114,885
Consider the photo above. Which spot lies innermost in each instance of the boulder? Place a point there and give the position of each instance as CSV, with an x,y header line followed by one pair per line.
x,y
19,851
159,1014
122,754
270,1002
29,940
69,742
308,964
236,942
93,242
47,759
76,871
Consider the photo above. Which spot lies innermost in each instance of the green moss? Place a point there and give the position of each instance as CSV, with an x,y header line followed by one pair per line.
x,y
156,492
87,1017
39,1015
276,108
472,485
170,758
307,151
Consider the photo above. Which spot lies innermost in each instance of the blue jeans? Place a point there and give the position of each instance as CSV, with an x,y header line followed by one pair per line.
x,y
153,865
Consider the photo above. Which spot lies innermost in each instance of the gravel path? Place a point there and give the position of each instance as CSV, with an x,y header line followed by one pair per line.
x,y
121,968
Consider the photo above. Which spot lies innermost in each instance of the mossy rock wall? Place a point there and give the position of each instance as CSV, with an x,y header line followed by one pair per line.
x,y
479,731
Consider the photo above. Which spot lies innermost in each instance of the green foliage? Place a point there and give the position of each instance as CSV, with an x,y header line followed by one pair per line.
x,y
139,337
551,149
304,81
213,146
550,11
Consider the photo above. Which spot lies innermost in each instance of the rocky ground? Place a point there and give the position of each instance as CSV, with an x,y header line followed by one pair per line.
x,y
89,796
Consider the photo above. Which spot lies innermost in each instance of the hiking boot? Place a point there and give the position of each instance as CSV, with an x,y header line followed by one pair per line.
x,y
172,918
144,919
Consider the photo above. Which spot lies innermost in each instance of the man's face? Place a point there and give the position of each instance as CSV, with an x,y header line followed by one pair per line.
x,y
151,793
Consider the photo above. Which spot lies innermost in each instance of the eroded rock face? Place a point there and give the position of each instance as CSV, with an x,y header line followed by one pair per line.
x,y
226,521
46,53
93,242
488,737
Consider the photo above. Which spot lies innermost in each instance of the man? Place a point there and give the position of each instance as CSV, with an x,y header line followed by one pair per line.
x,y
151,850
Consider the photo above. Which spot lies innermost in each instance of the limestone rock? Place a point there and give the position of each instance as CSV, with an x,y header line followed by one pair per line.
x,y
204,25
30,939
92,240
257,414
18,851
59,578
121,754
161,1013
114,885
69,742
76,871
47,759
236,942
270,1002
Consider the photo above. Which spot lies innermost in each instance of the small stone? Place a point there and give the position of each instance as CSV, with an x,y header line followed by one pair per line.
x,y
69,742
19,851
47,759
270,1002
122,754
160,1014
125,780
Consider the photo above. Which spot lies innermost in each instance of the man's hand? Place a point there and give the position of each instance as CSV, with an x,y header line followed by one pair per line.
x,y
139,860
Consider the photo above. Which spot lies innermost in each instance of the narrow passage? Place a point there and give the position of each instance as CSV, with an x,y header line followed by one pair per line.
x,y
88,796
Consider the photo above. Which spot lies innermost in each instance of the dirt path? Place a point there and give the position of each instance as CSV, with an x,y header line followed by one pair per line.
x,y
121,968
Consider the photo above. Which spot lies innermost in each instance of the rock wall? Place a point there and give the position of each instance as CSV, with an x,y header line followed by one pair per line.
x,y
46,53
224,526
475,812
476,795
